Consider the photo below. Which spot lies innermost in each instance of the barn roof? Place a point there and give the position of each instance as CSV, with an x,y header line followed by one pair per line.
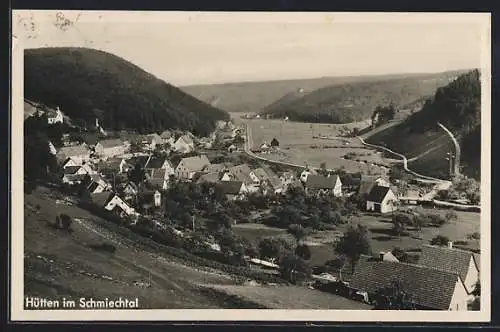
x,y
321,182
427,287
448,259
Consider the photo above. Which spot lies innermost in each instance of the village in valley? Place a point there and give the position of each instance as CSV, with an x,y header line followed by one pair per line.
x,y
215,197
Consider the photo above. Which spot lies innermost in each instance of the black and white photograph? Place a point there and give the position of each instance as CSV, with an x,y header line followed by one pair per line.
x,y
295,166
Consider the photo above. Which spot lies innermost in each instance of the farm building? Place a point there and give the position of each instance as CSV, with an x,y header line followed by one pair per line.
x,y
159,163
158,178
189,166
212,177
320,185
428,288
381,199
462,262
54,116
97,184
268,180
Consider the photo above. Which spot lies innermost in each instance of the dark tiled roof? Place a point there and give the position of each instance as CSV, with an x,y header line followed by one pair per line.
x,y
368,182
427,287
230,187
377,194
141,160
448,259
71,169
321,182
156,162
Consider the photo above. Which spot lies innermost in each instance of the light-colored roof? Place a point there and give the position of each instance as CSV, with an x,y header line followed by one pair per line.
x,y
166,134
73,151
241,173
209,177
185,139
195,163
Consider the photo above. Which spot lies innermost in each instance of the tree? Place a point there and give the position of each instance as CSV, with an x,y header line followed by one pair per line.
x,y
64,221
270,249
303,252
275,142
477,289
440,240
353,244
294,268
137,175
297,231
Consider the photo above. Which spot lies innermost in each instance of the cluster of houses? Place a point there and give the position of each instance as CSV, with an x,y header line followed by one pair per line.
x,y
443,278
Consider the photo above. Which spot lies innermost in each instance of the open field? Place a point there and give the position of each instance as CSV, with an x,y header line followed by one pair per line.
x,y
58,264
291,297
313,144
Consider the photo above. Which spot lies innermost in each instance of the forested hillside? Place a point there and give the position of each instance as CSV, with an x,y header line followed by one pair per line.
x,y
355,101
88,84
458,107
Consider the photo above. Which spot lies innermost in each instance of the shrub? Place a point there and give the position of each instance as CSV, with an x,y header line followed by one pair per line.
x,y
474,236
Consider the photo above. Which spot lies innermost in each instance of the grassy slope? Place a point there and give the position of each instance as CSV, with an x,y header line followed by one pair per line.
x,y
255,96
173,285
419,135
354,101
88,83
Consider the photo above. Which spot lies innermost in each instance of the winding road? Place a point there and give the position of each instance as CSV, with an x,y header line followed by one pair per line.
x,y
439,184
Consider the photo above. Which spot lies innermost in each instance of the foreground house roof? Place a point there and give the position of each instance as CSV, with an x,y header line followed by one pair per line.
x,y
448,259
427,287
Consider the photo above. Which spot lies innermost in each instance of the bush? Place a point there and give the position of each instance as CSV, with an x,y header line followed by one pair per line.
x,y
474,236
440,240
107,247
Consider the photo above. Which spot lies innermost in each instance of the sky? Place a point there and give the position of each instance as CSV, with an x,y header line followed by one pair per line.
x,y
185,48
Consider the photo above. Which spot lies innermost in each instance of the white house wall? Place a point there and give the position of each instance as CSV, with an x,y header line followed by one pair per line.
x,y
472,276
460,298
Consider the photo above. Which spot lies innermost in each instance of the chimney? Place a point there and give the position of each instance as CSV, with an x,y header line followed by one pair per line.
x,y
450,244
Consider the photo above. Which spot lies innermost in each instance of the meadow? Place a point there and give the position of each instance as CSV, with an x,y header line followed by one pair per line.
x,y
379,234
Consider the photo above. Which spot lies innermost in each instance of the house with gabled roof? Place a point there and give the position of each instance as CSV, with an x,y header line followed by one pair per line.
x,y
110,201
381,199
157,162
427,288
97,184
233,190
189,166
369,181
111,147
464,263
76,174
184,144
322,185
244,174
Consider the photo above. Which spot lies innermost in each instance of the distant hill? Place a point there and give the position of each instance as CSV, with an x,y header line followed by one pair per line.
x,y
355,101
88,84
457,106
250,97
